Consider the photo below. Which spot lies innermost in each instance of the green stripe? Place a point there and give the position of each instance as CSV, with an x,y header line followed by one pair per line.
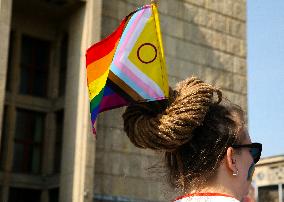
x,y
96,100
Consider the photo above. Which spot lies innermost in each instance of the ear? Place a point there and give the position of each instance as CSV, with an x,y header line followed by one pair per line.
x,y
230,159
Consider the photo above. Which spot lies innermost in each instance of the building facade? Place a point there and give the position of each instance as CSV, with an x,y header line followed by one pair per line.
x,y
47,150
269,179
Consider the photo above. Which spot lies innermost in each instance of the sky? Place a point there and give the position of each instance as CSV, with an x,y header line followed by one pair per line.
x,y
265,35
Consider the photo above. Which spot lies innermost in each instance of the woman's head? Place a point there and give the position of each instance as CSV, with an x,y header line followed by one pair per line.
x,y
194,128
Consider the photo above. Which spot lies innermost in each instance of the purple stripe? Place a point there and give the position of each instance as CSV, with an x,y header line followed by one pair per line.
x,y
111,102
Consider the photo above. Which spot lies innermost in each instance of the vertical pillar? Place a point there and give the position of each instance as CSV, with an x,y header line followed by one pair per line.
x,y
256,193
5,24
280,192
77,168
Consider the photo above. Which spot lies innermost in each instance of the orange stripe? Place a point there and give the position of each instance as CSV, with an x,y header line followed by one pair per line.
x,y
98,67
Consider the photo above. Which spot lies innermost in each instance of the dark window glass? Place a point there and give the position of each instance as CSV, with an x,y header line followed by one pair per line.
x,y
58,140
28,141
63,64
54,195
1,191
35,55
10,57
109,198
268,193
24,195
4,138
282,192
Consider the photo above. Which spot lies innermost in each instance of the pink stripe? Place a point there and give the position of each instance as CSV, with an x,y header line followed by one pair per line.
x,y
128,36
147,89
111,102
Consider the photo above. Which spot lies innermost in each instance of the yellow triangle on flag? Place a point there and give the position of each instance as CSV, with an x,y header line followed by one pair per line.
x,y
147,54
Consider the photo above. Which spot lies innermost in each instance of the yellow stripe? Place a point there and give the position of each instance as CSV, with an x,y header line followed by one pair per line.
x,y
96,86
98,67
163,60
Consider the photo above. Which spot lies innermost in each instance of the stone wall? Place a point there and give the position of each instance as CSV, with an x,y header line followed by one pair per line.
x,y
5,19
269,171
269,178
205,38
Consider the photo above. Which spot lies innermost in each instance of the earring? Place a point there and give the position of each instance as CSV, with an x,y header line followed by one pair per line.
x,y
236,173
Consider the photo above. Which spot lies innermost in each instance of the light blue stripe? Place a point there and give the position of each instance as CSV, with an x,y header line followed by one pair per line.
x,y
126,29
118,72
128,26
129,82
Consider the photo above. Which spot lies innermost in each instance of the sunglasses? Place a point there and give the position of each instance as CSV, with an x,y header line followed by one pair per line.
x,y
254,149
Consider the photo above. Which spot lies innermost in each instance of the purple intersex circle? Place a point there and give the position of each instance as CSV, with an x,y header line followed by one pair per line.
x,y
138,53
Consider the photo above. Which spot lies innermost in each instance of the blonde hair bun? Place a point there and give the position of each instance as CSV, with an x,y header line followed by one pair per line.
x,y
167,124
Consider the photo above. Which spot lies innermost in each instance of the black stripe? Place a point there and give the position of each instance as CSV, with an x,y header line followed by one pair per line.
x,y
118,90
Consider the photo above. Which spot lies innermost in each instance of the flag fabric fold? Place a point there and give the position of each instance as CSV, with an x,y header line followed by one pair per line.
x,y
129,65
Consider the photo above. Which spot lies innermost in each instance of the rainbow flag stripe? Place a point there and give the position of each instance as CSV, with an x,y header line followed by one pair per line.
x,y
129,65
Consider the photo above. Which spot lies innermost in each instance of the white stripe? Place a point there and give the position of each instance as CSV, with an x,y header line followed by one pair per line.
x,y
138,29
207,199
129,46
142,76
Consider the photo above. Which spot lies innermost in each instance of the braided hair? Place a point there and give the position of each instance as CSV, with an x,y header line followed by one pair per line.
x,y
193,128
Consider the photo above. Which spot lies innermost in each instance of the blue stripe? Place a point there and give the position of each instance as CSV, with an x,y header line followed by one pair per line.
x,y
94,114
108,91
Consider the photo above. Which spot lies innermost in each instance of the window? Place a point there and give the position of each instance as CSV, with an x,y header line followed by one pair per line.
x,y
58,141
53,195
63,64
1,190
282,192
28,141
3,139
268,193
24,195
34,109
34,65
10,58
110,198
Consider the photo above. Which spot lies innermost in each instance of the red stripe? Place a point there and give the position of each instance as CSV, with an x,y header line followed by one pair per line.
x,y
202,194
102,48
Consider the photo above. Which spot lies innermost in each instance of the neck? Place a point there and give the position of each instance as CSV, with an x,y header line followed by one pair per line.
x,y
217,188
219,185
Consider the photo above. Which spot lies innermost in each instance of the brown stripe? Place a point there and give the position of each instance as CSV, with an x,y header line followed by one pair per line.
x,y
135,96
119,91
